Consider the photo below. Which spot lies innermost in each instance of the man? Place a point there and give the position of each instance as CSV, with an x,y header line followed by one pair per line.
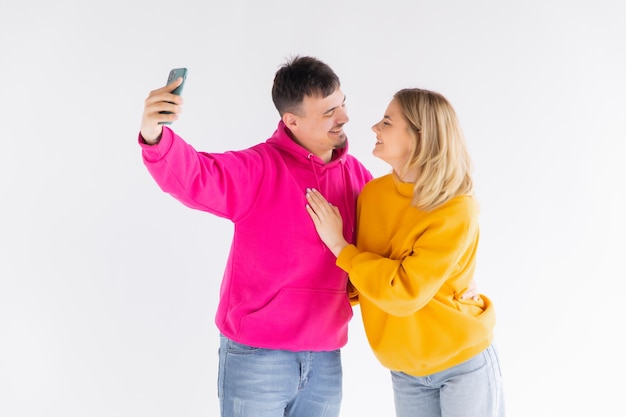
x,y
283,311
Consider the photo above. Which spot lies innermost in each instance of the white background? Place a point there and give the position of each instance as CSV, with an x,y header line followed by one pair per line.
x,y
108,287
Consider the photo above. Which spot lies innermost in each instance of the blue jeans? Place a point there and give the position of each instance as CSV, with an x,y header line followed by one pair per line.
x,y
470,389
255,382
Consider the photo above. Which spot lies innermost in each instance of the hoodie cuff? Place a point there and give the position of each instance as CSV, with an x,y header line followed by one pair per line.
x,y
156,152
344,260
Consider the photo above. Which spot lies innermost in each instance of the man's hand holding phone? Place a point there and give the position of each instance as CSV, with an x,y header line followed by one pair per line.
x,y
162,106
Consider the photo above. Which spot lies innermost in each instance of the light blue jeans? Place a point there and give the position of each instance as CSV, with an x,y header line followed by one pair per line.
x,y
255,382
470,389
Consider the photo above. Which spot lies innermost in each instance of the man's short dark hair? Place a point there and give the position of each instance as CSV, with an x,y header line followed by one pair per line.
x,y
302,76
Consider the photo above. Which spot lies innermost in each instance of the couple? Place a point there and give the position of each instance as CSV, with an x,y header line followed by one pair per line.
x,y
406,241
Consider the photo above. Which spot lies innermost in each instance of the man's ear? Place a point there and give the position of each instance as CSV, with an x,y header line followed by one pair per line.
x,y
290,120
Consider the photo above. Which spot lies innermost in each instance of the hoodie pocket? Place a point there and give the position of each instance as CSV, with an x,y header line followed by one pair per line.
x,y
300,319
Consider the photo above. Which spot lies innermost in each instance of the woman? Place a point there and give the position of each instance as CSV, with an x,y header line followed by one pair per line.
x,y
414,259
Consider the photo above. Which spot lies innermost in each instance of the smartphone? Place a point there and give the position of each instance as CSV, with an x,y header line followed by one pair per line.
x,y
174,74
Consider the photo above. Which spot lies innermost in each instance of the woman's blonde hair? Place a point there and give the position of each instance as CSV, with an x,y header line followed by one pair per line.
x,y
439,153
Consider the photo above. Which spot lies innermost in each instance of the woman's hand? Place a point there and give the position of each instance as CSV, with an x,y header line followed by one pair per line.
x,y
327,220
471,293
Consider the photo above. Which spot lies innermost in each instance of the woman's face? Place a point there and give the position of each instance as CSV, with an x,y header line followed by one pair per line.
x,y
393,139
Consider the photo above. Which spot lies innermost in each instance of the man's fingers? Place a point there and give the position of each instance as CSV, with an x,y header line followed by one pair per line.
x,y
171,86
156,106
159,96
165,94
167,88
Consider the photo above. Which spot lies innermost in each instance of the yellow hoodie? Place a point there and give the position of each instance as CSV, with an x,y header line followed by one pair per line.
x,y
410,269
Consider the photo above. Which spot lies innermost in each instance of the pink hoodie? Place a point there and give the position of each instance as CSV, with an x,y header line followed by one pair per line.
x,y
281,288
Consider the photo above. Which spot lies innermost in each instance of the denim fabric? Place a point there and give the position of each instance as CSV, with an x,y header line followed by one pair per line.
x,y
470,389
278,383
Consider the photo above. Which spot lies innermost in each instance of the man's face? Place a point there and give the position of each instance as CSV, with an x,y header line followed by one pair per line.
x,y
318,126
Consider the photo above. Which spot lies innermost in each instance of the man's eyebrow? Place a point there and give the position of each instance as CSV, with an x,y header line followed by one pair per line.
x,y
333,108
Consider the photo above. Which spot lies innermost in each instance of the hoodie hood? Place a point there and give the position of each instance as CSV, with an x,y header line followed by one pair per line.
x,y
282,139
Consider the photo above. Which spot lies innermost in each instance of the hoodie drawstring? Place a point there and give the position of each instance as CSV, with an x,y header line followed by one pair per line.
x,y
317,180
349,202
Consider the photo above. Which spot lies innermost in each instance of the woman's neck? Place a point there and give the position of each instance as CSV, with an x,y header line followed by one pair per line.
x,y
409,176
